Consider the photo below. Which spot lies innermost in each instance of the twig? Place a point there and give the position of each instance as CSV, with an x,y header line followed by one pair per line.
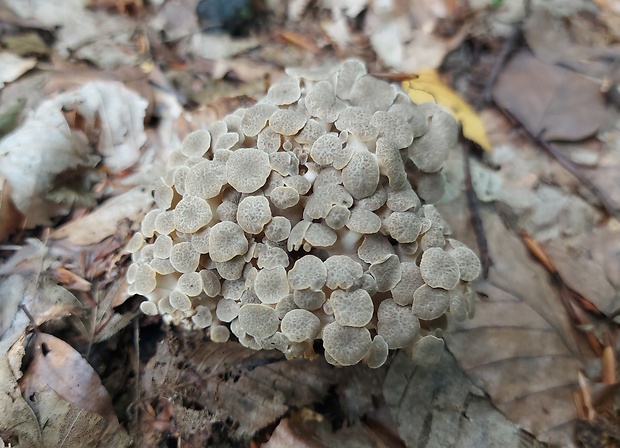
x,y
474,210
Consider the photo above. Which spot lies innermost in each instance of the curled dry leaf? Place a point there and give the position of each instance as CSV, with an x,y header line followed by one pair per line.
x,y
35,154
13,66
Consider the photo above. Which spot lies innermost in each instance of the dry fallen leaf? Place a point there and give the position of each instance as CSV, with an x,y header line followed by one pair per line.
x,y
429,87
104,221
553,102
520,347
438,406
35,154
233,386
13,66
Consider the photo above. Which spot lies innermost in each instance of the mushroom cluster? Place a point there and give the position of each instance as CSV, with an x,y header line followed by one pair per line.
x,y
307,217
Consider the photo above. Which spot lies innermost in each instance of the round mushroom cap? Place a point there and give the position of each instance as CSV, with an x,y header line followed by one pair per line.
x,y
309,299
363,221
184,258
348,73
430,303
467,261
180,301
278,229
325,149
285,90
284,197
375,249
439,269
258,320
204,179
300,325
149,308
203,317
210,283
393,128
404,227
346,345
145,280
287,121
308,272
361,175
410,281
427,350
247,169
196,144
387,273
192,213
396,324
322,103
190,284
271,285
255,118
430,151
378,353
219,333
231,269
342,271
227,310
458,305
352,309
135,243
253,213
226,241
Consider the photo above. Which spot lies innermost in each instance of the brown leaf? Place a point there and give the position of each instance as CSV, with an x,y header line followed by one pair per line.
x,y
59,367
520,347
10,217
235,386
553,102
439,406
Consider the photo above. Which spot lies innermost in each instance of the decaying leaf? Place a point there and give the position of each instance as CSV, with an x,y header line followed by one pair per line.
x,y
553,102
437,406
46,146
521,347
10,217
104,221
13,66
429,87
234,386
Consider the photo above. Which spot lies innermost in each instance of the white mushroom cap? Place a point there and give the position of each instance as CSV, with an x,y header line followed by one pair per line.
x,y
180,301
192,213
356,120
337,217
284,197
378,353
204,179
374,201
278,229
162,267
184,258
403,198
255,118
268,140
372,93
320,235
299,183
226,241
162,194
361,176
219,333
427,350
459,307
200,240
348,73
285,90
430,151
296,238
196,144
287,121
148,223
430,303
322,103
233,289
247,169
309,299
231,269
227,310
145,281
391,163
375,248
310,132
258,320
300,325
271,285
162,247
439,269
387,273
325,149
285,305
135,243
164,223
396,324
271,257
467,261
342,271
149,308
410,281
253,213
203,317
346,345
352,309
393,128
363,221
308,272
404,227
211,284
190,284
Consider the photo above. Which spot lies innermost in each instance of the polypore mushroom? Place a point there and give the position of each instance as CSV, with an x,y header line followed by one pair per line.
x,y
294,221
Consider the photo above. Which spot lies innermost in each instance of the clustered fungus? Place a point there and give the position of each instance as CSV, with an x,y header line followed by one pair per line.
x,y
307,217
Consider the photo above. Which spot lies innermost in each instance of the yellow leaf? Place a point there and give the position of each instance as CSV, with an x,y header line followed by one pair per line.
x,y
429,87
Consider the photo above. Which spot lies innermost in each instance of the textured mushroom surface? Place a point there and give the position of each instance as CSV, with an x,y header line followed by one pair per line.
x,y
307,217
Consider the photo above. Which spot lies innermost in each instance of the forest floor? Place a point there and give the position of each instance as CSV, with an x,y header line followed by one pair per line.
x,y
97,93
